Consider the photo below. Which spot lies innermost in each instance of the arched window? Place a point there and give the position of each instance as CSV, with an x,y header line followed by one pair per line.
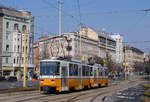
x,y
15,26
7,24
24,27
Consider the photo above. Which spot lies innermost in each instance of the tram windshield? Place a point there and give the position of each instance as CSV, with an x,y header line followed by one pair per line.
x,y
49,68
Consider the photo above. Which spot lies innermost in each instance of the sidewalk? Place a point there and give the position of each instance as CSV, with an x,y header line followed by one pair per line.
x,y
17,84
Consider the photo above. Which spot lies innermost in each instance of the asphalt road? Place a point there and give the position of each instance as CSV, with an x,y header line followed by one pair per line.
x,y
17,84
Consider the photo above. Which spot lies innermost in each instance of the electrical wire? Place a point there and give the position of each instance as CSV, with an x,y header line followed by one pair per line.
x,y
48,3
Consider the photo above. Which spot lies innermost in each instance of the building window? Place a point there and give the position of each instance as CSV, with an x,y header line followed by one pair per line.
x,y
14,48
7,24
15,26
26,49
22,60
7,35
6,60
23,48
24,27
14,60
18,48
7,47
30,60
17,60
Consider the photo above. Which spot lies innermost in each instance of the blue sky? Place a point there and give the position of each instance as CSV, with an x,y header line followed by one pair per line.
x,y
122,16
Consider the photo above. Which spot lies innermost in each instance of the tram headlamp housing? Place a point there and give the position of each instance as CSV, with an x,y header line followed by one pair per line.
x,y
41,82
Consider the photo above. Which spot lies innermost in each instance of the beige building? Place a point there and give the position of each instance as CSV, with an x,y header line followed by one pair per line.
x,y
132,56
147,57
86,43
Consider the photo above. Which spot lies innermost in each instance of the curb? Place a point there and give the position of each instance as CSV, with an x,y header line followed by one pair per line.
x,y
31,88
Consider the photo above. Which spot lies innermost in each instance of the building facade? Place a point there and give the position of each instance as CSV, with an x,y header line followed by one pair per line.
x,y
36,59
119,47
147,57
132,56
36,56
84,43
13,23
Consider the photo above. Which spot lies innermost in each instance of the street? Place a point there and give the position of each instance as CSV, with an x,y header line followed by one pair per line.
x,y
115,92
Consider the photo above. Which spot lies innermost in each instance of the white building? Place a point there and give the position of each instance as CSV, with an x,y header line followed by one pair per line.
x,y
12,25
119,47
93,43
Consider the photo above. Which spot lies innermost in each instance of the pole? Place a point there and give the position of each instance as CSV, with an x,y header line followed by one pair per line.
x,y
80,42
125,60
106,49
24,75
59,4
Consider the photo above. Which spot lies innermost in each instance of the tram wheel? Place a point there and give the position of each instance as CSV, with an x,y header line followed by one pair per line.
x,y
106,84
99,85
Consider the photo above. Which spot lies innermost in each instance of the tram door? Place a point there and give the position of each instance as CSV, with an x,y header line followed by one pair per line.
x,y
103,76
95,76
64,76
80,70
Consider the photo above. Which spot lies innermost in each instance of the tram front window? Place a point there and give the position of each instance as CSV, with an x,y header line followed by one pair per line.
x,y
49,68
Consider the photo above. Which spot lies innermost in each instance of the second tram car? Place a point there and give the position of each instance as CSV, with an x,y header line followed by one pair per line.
x,y
60,75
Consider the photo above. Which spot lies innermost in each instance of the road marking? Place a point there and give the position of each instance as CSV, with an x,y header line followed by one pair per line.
x,y
126,97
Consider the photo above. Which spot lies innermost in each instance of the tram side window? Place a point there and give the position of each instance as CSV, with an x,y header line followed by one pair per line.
x,y
91,71
57,69
103,73
106,72
76,69
100,73
85,70
73,70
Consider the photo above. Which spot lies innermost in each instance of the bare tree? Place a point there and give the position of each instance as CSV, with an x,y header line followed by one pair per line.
x,y
44,51
96,59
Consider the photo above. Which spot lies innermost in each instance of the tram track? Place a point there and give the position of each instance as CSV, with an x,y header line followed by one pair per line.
x,y
103,92
16,96
35,96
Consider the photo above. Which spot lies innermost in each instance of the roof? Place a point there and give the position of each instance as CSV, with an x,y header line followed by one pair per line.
x,y
12,12
129,47
100,33
103,34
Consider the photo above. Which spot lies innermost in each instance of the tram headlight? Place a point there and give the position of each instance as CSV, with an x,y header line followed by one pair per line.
x,y
41,82
53,82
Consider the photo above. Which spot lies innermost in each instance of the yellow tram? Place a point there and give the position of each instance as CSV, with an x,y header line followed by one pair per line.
x,y
61,75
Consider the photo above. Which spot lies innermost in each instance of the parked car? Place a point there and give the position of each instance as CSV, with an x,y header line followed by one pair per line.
x,y
2,79
12,78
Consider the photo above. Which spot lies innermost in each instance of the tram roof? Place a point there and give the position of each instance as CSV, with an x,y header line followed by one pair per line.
x,y
64,61
59,61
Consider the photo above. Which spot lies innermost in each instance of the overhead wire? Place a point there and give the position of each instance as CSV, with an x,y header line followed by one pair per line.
x,y
148,41
53,6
